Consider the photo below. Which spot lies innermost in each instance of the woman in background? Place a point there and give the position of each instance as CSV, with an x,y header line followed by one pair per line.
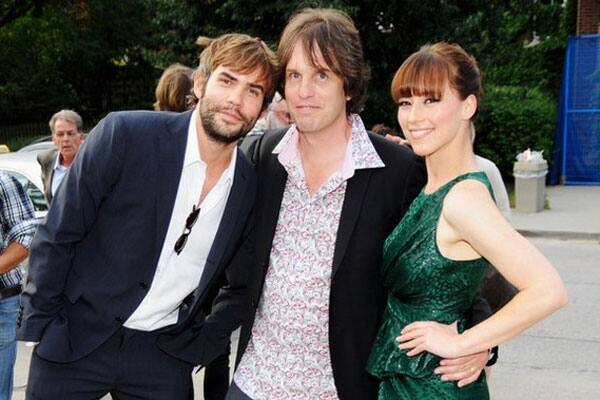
x,y
436,258
173,89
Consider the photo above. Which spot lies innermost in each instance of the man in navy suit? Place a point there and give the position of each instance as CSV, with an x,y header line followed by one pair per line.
x,y
151,217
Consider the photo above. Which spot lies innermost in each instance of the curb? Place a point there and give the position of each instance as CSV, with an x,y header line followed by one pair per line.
x,y
563,235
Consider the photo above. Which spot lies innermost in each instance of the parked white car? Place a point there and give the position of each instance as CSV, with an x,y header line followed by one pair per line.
x,y
25,168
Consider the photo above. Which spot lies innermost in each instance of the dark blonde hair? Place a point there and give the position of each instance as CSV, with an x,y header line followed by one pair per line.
x,y
174,85
333,33
243,54
426,72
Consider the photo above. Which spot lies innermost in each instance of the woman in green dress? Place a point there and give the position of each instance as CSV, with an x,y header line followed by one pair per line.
x,y
436,258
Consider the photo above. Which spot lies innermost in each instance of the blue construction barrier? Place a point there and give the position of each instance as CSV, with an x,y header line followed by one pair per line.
x,y
577,142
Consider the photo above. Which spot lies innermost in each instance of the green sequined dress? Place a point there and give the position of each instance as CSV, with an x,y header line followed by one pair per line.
x,y
423,286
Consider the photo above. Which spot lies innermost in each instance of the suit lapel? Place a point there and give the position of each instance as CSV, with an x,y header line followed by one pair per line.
x,y
171,153
228,222
353,201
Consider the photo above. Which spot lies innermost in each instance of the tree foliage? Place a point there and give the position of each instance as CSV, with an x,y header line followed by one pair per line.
x,y
101,55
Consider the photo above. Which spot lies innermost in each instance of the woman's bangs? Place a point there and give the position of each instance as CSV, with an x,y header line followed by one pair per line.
x,y
420,75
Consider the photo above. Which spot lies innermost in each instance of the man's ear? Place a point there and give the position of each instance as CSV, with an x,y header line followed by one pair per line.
x,y
199,83
469,107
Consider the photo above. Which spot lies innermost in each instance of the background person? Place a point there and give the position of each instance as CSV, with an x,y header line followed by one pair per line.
x,y
173,88
17,226
67,134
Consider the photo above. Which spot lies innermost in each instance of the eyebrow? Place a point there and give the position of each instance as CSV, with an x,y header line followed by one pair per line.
x,y
317,68
252,85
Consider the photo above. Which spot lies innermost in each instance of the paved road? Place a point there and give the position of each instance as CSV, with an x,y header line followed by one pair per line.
x,y
558,358
555,360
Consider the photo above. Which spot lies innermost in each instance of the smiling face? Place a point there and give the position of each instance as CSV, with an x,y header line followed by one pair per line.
x,y
314,94
430,122
230,102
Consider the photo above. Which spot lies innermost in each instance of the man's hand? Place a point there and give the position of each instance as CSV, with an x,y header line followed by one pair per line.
x,y
397,140
465,370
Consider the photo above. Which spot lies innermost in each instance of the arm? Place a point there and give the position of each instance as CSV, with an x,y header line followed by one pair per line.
x,y
233,303
473,217
81,193
12,256
18,221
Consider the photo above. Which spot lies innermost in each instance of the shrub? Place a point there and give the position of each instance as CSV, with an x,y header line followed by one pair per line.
x,y
512,119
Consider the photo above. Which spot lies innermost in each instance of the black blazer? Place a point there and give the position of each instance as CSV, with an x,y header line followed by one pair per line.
x,y
375,201
94,258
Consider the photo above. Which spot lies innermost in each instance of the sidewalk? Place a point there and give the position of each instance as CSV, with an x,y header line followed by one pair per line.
x,y
574,214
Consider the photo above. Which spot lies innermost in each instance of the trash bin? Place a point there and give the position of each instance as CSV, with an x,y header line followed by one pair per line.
x,y
530,185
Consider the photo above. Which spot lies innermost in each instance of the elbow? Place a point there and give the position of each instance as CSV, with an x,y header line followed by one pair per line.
x,y
563,298
558,298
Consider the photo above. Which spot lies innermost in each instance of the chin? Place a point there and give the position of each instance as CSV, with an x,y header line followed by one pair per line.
x,y
421,150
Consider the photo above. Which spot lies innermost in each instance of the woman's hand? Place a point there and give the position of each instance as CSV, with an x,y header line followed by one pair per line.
x,y
434,337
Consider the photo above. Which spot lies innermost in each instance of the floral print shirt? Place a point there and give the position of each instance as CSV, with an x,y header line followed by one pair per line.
x,y
288,354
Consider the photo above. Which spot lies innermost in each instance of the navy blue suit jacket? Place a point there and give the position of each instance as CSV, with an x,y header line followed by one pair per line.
x,y
94,258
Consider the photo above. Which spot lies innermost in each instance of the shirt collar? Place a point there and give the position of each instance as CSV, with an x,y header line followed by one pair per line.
x,y
192,150
57,164
360,153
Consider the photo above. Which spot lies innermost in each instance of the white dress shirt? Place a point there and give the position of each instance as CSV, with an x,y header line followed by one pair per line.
x,y
176,275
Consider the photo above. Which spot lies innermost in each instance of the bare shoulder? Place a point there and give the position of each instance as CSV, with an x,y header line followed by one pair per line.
x,y
468,200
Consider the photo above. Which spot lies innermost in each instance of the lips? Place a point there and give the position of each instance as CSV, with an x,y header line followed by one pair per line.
x,y
306,108
418,134
231,115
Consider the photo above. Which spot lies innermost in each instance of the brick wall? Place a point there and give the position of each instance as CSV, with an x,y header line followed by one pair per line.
x,y
588,17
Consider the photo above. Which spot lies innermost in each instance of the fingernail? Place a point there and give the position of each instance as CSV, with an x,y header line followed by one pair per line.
x,y
444,378
436,371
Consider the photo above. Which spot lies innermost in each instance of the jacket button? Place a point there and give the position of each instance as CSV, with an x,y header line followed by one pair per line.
x,y
143,285
119,320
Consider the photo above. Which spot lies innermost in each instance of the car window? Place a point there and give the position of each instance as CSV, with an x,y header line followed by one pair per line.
x,y
36,196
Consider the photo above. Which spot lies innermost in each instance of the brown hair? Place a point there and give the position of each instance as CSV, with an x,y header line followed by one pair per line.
x,y
426,72
333,33
174,85
242,53
382,129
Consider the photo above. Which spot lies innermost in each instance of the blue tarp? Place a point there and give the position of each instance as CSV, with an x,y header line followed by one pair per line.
x,y
577,142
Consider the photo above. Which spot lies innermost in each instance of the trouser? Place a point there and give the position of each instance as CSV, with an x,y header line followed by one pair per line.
x,y
235,393
216,377
129,365
9,309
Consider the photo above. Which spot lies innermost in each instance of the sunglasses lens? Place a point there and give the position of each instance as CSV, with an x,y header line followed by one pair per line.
x,y
189,223
191,219
180,243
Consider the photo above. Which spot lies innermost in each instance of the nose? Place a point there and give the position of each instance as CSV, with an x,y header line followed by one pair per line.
x,y
416,112
305,89
236,96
